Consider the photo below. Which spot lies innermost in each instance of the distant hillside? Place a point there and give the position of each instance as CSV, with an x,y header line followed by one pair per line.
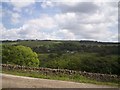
x,y
47,46
90,56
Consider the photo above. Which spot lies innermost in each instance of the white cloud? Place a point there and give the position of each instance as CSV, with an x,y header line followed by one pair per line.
x,y
65,34
74,22
65,19
44,22
16,9
80,7
46,4
15,18
10,34
22,3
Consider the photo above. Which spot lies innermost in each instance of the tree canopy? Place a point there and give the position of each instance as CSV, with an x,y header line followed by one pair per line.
x,y
19,55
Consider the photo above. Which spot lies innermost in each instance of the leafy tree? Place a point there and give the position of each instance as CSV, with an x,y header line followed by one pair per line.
x,y
19,55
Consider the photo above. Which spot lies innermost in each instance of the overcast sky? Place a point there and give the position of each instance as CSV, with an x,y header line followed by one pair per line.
x,y
65,20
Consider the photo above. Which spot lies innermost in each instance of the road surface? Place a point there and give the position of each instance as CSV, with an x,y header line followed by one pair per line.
x,y
12,81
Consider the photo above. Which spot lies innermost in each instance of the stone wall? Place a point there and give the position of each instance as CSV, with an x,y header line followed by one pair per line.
x,y
48,71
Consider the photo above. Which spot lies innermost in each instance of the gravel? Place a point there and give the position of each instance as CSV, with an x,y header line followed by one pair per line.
x,y
12,81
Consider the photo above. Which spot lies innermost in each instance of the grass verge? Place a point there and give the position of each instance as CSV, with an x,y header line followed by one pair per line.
x,y
73,78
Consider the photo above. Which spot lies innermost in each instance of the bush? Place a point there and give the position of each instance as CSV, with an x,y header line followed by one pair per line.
x,y
19,55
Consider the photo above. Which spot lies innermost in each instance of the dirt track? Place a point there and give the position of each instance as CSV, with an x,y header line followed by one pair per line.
x,y
12,81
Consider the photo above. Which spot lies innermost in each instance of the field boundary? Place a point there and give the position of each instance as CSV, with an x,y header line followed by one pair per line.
x,y
49,71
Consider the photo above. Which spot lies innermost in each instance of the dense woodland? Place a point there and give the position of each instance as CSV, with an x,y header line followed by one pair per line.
x,y
89,56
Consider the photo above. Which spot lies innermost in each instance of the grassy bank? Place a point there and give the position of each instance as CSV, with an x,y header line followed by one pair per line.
x,y
74,78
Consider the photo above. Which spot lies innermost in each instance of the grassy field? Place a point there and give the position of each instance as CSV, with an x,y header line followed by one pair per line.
x,y
32,43
73,78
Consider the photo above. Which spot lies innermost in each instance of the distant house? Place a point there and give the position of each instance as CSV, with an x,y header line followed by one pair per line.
x,y
70,51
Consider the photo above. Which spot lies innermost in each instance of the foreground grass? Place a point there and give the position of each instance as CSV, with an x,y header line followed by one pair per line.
x,y
74,78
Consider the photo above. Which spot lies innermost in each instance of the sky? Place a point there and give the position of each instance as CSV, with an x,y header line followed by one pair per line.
x,y
59,20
